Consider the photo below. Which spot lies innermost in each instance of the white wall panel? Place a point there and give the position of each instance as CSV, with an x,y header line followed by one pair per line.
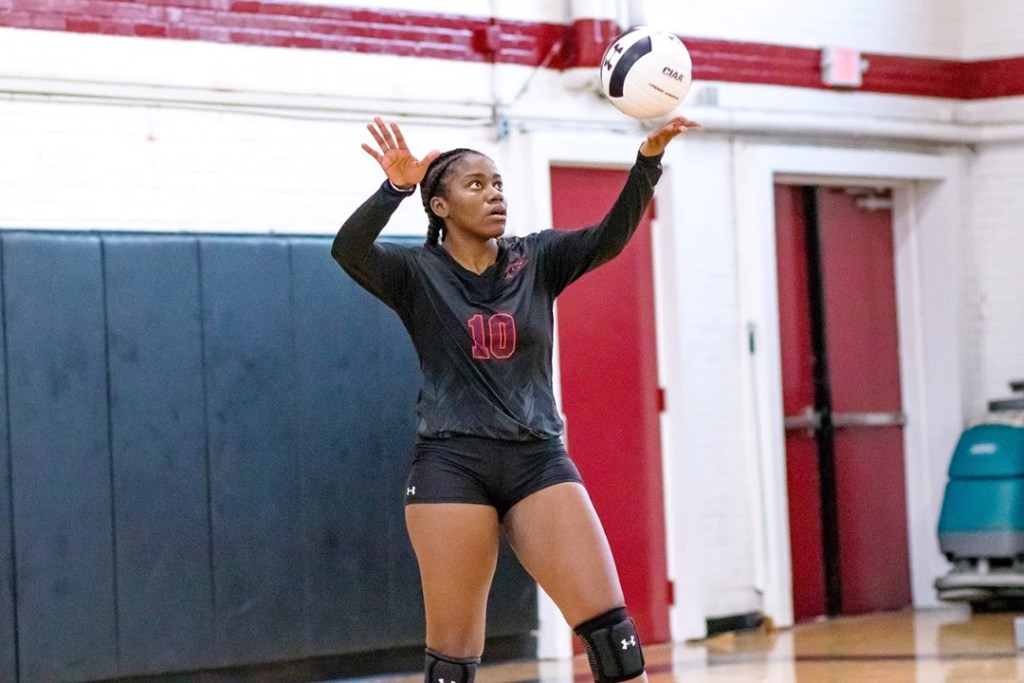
x,y
993,28
710,490
66,62
523,10
928,28
997,237
92,166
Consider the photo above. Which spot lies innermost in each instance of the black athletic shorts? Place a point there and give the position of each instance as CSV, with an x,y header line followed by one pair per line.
x,y
473,469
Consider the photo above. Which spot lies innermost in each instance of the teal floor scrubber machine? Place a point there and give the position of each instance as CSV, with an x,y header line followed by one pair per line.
x,y
981,526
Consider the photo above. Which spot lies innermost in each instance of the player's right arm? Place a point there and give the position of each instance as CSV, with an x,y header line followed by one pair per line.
x,y
376,266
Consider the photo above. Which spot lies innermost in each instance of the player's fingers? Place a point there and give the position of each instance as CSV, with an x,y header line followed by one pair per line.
x,y
377,137
682,122
398,135
385,133
676,126
377,156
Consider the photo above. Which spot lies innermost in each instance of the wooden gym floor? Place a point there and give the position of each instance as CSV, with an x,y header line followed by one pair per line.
x,y
946,645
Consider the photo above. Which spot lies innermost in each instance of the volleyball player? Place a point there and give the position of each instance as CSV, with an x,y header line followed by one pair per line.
x,y
489,454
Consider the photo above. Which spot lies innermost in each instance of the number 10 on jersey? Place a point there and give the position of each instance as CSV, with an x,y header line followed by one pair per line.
x,y
494,336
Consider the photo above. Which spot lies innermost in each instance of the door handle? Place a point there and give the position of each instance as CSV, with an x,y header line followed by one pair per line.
x,y
880,419
810,420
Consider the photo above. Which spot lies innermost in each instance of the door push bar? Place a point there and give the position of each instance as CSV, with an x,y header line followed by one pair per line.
x,y
810,420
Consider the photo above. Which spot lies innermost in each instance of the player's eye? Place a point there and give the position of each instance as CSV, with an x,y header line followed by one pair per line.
x,y
499,185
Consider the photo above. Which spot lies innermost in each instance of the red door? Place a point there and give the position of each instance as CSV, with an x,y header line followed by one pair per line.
x,y
610,394
841,396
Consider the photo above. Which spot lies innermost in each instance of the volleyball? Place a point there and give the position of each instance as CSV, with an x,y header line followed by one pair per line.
x,y
645,72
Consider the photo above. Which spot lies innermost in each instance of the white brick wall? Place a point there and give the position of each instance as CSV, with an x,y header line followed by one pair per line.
x,y
996,233
556,11
993,28
709,350
929,28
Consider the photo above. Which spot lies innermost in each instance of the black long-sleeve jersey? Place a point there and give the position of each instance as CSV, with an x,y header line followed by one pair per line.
x,y
485,341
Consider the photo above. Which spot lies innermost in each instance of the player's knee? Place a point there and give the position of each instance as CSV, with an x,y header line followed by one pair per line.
x,y
447,669
612,645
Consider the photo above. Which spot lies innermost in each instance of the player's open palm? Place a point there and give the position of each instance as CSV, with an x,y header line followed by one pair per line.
x,y
401,167
657,141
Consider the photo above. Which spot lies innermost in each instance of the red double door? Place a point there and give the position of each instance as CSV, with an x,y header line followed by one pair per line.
x,y
611,397
841,396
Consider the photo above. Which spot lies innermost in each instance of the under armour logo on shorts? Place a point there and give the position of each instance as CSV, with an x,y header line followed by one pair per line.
x,y
411,491
628,643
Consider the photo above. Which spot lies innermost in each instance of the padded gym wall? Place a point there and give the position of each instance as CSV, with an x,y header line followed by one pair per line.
x,y
60,456
158,452
8,644
206,439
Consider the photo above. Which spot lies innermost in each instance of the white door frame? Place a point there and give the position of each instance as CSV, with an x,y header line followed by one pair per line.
x,y
531,157
926,224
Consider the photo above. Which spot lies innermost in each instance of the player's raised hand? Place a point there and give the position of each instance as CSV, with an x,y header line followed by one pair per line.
x,y
657,141
401,167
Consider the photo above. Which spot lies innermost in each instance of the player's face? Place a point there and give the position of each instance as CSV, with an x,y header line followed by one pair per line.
x,y
474,204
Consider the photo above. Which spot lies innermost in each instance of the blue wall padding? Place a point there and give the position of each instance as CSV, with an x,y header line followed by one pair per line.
x,y
60,456
158,451
344,362
8,650
255,477
209,438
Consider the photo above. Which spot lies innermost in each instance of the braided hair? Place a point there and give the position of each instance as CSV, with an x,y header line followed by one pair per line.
x,y
435,183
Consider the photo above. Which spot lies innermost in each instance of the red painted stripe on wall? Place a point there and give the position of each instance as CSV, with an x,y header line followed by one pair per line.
x,y
717,60
462,38
303,26
996,78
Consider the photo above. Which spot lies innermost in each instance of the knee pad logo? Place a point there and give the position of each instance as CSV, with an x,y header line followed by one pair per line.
x,y
613,647
442,669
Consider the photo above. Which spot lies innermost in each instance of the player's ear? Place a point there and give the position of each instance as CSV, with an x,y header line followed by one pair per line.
x,y
439,206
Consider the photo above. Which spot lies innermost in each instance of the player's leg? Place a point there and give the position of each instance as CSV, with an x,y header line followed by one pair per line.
x,y
558,538
456,546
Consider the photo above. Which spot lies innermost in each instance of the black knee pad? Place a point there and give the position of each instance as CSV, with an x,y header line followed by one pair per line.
x,y
444,669
612,646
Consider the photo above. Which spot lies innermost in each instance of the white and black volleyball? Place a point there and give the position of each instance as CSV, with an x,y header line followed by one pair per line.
x,y
646,73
